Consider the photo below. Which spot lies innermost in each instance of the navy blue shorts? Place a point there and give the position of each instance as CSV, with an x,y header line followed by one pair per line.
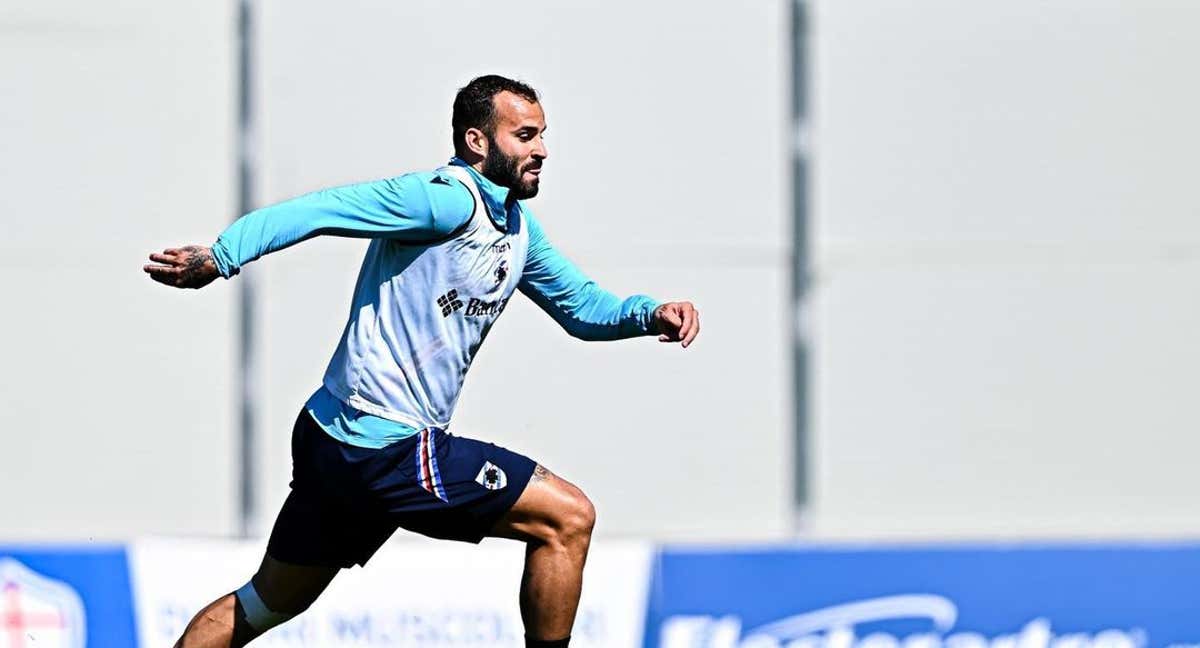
x,y
346,501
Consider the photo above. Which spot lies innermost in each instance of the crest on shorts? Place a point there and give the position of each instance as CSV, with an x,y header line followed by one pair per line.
x,y
491,477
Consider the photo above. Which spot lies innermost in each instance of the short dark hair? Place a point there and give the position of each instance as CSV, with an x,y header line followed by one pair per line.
x,y
474,108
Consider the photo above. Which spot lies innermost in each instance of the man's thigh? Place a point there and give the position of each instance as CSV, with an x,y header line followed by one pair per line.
x,y
327,520
547,507
463,486
346,501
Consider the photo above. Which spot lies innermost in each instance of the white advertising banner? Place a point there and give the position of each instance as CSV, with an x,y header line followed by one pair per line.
x,y
413,594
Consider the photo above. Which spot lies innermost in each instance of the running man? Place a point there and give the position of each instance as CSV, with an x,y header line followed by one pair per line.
x,y
370,449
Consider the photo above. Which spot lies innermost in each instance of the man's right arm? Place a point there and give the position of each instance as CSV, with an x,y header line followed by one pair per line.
x,y
417,207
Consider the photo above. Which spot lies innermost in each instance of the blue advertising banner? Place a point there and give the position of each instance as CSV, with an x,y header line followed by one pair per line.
x,y
65,597
1087,596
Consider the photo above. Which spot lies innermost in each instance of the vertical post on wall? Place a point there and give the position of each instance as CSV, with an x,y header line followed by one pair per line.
x,y
800,161
246,165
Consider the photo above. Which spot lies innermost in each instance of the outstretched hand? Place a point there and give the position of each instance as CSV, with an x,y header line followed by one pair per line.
x,y
677,322
190,266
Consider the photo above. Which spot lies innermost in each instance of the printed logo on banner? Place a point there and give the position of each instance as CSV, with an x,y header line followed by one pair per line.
x,y
836,627
37,612
1067,596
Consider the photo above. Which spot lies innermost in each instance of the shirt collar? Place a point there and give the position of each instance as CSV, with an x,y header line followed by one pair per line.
x,y
493,194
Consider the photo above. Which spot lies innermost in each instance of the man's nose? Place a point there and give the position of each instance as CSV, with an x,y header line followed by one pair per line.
x,y
539,151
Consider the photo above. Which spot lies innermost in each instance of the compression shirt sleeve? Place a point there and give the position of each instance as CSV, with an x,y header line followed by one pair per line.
x,y
585,310
417,207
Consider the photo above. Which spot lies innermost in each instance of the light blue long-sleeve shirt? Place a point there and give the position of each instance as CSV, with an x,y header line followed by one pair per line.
x,y
425,208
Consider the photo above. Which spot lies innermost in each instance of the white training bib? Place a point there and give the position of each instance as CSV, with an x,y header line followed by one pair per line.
x,y
420,313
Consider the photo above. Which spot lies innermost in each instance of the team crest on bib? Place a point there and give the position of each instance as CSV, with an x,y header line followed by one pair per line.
x,y
491,477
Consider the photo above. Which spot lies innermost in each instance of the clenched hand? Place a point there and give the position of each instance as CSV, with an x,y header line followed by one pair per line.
x,y
191,266
677,322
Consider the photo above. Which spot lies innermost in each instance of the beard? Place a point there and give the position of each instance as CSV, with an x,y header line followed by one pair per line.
x,y
507,172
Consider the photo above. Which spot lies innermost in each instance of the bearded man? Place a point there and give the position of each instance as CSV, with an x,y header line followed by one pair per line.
x,y
370,449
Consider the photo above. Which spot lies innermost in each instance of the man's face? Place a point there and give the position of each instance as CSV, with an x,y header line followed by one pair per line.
x,y
515,147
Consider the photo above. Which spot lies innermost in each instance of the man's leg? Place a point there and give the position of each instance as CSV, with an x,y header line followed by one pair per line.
x,y
555,519
278,591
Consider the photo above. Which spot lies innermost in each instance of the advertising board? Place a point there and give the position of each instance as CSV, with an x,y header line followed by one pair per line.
x,y
1087,596
413,593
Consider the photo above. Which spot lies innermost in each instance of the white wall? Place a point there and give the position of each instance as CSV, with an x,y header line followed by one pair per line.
x,y
667,175
1006,252
117,411
1005,249
115,401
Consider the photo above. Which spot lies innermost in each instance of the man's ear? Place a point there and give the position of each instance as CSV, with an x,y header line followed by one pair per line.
x,y
477,141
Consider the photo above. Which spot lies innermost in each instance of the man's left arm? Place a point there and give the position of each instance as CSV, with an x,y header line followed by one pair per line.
x,y
589,312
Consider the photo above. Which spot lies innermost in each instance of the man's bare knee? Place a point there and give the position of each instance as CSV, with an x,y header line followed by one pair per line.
x,y
583,517
574,520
